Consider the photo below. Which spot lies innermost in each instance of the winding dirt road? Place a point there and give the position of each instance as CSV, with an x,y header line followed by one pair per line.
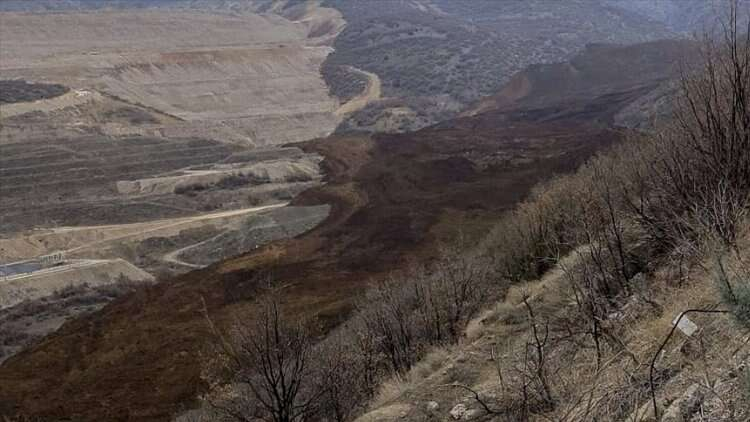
x,y
371,93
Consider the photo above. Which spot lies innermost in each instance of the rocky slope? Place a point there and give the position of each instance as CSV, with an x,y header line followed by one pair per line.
x,y
701,375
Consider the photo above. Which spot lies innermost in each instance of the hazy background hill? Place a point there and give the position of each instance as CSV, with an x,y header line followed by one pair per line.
x,y
435,58
686,16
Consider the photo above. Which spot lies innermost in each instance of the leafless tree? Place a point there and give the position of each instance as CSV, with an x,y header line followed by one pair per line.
x,y
387,315
342,376
698,168
269,363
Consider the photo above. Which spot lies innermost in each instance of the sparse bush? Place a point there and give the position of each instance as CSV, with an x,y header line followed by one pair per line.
x,y
341,368
696,171
387,315
745,386
741,305
395,324
734,286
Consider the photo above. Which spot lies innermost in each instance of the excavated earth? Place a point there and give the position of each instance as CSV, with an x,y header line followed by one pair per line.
x,y
393,199
254,78
150,140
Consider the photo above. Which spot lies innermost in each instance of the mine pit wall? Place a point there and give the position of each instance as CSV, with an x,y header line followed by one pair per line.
x,y
279,75
266,91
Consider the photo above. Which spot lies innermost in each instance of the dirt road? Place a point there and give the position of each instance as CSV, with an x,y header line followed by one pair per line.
x,y
156,226
174,256
78,239
75,264
371,93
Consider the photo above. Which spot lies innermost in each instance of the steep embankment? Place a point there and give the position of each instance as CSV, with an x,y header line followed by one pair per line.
x,y
393,197
698,375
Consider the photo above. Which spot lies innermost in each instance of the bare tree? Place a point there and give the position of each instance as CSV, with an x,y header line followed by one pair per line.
x,y
387,315
698,170
269,363
342,377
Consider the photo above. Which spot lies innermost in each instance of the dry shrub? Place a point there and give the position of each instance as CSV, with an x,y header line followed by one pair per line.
x,y
269,364
697,169
341,377
276,374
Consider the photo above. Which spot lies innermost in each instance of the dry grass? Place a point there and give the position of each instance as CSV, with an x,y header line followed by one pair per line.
x,y
396,386
618,389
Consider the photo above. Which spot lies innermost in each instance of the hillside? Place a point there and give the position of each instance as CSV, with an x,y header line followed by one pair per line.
x,y
394,198
437,57
599,69
700,376
616,293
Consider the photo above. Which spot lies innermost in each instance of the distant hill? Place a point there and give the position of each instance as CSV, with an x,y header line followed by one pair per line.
x,y
685,16
435,58
439,56
598,70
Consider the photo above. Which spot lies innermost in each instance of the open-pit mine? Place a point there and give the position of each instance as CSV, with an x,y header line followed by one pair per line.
x,y
138,144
